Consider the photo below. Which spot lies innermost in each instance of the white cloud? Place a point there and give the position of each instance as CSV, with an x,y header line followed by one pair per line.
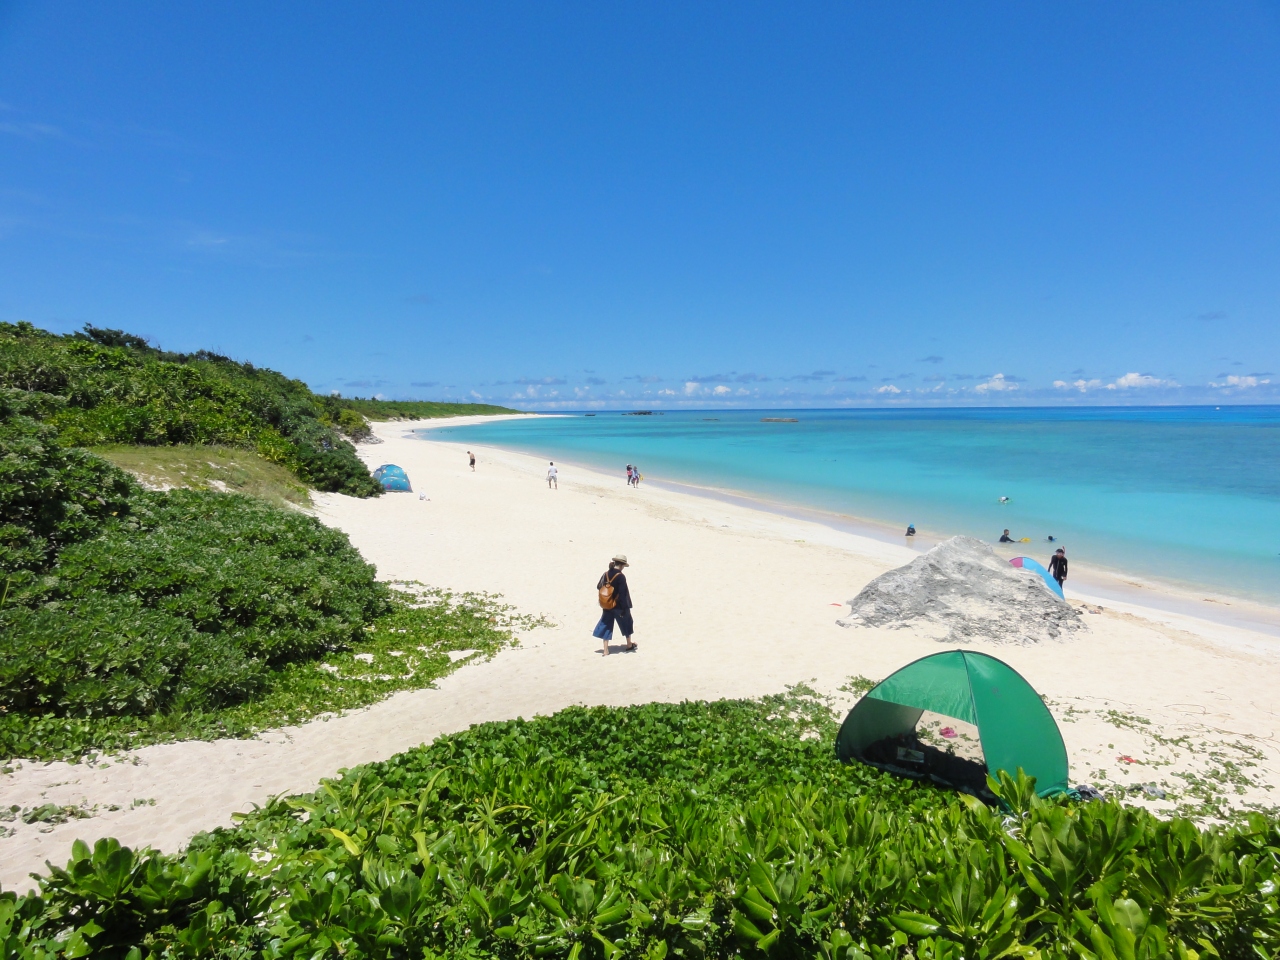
x,y
691,387
1239,383
1082,385
666,393
721,390
997,383
887,388
1139,381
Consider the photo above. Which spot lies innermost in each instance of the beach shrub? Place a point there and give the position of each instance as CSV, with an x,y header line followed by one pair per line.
x,y
280,583
108,655
182,604
104,673
50,496
699,830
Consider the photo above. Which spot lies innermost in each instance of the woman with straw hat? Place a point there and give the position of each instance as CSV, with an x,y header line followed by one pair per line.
x,y
615,604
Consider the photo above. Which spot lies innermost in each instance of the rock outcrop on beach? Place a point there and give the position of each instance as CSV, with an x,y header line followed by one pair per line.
x,y
967,593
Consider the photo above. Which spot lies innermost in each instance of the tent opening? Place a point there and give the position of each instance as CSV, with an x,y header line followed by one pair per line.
x,y
953,718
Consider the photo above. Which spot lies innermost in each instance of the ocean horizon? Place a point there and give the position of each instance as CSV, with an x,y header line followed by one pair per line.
x,y
1187,495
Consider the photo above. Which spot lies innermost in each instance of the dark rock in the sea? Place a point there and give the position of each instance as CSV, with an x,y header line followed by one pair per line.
x,y
965,592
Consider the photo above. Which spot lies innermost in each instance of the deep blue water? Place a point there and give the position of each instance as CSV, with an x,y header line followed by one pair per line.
x,y
1188,494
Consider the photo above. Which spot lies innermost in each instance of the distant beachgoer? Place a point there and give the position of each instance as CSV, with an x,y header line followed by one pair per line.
x,y
473,461
1005,538
635,476
553,476
911,529
629,469
1058,566
1051,538
615,603
1004,499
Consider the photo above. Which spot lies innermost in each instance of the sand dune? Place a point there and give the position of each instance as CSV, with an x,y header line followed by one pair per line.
x,y
730,602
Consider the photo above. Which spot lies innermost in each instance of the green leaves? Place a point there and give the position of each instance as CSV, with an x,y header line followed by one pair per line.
x,y
538,839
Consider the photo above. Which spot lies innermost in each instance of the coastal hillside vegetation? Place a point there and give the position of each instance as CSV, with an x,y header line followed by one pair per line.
x,y
698,830
130,616
116,389
372,409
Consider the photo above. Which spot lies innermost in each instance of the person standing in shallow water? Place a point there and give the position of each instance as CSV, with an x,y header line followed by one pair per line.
x,y
620,598
1058,566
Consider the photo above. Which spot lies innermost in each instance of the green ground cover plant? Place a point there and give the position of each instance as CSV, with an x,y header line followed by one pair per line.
x,y
693,830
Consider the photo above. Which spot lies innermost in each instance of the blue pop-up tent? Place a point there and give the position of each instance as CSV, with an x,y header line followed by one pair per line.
x,y
393,478
1026,563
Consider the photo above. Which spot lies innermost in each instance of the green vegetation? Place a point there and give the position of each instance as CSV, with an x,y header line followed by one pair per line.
x,y
131,616
211,467
668,830
417,409
425,635
116,389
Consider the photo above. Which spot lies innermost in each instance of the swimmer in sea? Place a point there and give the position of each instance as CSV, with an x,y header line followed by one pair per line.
x,y
1005,538
911,529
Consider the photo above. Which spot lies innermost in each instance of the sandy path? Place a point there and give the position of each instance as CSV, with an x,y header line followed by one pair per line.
x,y
730,602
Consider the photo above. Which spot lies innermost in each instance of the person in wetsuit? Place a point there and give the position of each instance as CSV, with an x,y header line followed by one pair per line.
x,y
1005,538
1058,566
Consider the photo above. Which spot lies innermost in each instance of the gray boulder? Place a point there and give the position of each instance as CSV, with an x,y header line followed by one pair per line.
x,y
961,591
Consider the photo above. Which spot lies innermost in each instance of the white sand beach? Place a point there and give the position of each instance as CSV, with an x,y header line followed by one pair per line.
x,y
730,601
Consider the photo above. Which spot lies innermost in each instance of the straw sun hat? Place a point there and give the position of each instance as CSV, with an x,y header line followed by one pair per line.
x,y
620,559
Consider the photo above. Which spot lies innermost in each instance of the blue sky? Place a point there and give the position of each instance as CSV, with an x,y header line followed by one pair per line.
x,y
641,204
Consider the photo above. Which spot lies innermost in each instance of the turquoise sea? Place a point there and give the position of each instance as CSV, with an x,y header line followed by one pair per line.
x,y
1188,495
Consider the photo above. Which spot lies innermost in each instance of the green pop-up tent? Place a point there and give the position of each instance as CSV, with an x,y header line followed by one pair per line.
x,y
1014,726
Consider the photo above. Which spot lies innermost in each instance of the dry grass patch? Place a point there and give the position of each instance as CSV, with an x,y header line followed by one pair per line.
x,y
224,469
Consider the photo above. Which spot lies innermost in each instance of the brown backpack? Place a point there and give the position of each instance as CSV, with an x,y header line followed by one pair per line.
x,y
605,594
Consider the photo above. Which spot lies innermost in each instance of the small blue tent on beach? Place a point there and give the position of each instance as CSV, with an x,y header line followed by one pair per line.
x,y
393,478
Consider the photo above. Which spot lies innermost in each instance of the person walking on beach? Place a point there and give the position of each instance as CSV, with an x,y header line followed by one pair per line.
x,y
553,477
628,474
615,603
1058,566
473,461
635,476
